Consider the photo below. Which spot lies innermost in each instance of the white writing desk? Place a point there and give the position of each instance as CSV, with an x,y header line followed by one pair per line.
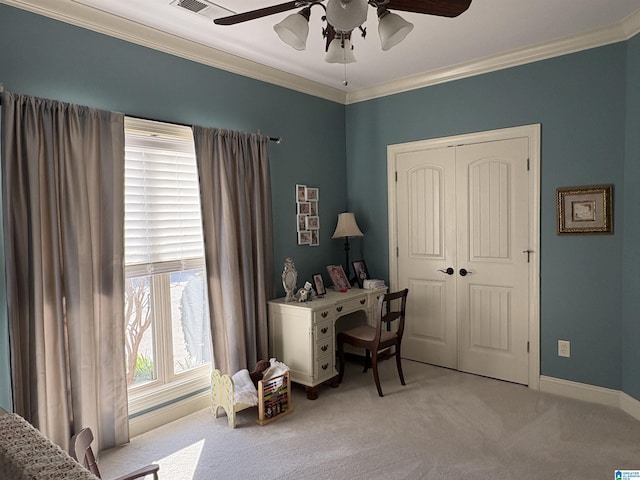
x,y
303,335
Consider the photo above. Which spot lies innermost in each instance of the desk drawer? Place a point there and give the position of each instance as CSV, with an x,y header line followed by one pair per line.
x,y
323,315
324,347
324,351
322,331
324,367
352,305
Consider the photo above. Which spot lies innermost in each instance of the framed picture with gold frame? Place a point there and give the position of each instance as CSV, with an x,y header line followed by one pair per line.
x,y
585,210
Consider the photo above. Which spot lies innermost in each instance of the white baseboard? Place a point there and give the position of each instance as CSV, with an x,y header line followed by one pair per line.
x,y
630,405
591,393
169,413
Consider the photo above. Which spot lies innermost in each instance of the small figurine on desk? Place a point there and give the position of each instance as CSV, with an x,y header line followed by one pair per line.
x,y
304,294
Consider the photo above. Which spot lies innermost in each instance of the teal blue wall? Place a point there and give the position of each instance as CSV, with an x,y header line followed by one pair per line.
x,y
631,252
580,101
588,104
46,58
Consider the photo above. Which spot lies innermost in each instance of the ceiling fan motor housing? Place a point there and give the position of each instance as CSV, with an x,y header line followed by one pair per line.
x,y
345,15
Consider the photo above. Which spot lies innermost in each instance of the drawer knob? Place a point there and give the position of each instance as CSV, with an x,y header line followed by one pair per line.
x,y
325,366
324,348
324,329
362,302
339,309
324,314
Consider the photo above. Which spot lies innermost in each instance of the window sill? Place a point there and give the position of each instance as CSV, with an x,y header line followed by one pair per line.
x,y
153,398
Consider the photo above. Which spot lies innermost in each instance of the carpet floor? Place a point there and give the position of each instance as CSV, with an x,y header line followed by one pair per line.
x,y
442,425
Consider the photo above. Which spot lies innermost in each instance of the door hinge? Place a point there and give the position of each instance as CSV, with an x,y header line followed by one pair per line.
x,y
397,251
396,177
527,347
528,164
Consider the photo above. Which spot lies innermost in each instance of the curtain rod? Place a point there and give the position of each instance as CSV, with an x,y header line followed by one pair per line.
x,y
272,139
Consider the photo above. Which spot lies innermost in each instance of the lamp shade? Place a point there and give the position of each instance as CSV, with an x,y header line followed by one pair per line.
x,y
294,29
347,226
345,15
392,29
337,53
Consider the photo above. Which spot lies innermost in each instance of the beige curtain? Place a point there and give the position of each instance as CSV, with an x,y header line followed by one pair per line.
x,y
63,209
235,194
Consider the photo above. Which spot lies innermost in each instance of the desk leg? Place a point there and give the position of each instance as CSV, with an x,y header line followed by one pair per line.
x,y
312,392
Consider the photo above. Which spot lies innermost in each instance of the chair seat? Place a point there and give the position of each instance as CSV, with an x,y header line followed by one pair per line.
x,y
367,333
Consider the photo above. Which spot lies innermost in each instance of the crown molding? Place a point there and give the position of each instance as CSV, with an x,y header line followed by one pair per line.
x,y
631,25
74,13
626,29
80,15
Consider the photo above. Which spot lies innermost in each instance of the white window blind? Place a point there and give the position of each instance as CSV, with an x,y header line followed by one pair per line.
x,y
163,226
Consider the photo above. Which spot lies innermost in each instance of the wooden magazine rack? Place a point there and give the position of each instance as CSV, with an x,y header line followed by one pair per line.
x,y
274,398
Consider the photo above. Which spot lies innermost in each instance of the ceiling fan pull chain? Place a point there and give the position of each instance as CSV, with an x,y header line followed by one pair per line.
x,y
344,82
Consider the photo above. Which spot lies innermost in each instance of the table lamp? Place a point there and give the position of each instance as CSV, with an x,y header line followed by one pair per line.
x,y
347,227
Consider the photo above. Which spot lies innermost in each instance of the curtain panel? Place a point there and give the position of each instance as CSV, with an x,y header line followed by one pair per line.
x,y
235,191
63,209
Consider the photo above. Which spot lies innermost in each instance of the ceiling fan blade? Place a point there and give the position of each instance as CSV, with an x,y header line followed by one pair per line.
x,y
442,8
259,13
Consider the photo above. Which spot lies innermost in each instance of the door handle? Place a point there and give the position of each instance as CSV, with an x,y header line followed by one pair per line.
x,y
448,271
464,272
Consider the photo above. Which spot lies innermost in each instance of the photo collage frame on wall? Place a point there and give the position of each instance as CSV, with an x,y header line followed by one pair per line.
x,y
307,215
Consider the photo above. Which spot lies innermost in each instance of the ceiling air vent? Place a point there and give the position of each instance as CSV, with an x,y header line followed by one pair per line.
x,y
203,7
193,5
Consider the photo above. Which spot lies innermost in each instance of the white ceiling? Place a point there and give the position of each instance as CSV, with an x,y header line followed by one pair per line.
x,y
491,34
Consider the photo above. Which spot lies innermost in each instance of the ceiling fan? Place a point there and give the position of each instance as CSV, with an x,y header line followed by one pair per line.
x,y
344,16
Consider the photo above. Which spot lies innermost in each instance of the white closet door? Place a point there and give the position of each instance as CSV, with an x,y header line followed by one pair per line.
x,y
493,229
462,230
426,248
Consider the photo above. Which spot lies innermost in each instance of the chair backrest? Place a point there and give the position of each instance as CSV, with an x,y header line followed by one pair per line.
x,y
392,307
80,450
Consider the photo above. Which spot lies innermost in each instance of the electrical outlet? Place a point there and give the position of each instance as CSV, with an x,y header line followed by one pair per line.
x,y
564,348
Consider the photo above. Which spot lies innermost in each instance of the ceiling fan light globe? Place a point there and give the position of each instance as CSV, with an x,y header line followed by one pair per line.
x,y
345,15
293,31
337,54
392,29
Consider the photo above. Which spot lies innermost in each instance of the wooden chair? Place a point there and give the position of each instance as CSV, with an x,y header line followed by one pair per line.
x,y
380,337
80,450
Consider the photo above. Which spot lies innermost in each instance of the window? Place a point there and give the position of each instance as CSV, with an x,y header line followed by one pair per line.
x,y
166,308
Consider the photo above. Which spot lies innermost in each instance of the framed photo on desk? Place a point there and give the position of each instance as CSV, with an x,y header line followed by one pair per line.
x,y
318,283
339,278
360,269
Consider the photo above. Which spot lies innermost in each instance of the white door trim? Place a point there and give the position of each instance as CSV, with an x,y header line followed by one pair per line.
x,y
532,132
